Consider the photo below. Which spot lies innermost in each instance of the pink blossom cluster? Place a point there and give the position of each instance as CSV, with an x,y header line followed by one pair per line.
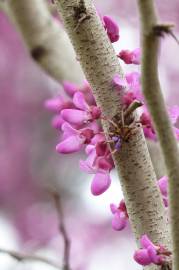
x,y
151,253
132,85
78,120
120,216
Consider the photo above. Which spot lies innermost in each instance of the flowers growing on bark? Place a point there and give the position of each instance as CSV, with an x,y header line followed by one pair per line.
x,y
79,119
151,253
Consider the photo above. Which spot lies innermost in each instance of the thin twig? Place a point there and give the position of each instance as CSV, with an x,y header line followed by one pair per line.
x,y
165,29
63,231
28,257
132,107
156,105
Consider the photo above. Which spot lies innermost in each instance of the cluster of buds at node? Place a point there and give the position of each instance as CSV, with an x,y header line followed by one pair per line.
x,y
150,253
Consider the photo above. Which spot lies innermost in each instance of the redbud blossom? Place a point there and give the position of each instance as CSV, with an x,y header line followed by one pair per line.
x,y
118,82
130,57
100,183
70,88
84,112
74,139
120,218
150,253
57,104
112,28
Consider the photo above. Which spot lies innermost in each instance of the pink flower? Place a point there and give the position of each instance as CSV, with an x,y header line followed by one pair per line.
x,y
173,113
150,253
57,121
74,139
112,28
148,128
119,83
100,183
70,88
134,88
100,163
130,57
57,104
163,186
84,112
120,218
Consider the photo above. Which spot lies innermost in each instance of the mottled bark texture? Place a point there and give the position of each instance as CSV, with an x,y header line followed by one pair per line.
x,y
100,64
47,42
156,105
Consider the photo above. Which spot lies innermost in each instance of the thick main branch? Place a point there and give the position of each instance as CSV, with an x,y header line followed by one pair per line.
x,y
47,42
156,105
100,64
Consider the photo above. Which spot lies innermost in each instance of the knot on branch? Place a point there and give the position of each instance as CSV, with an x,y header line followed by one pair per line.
x,y
80,14
38,52
123,127
161,30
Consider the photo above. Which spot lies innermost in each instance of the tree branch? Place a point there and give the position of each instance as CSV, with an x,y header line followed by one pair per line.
x,y
48,44
156,105
100,64
27,257
62,228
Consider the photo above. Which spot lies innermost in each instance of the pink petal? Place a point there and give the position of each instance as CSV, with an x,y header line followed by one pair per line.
x,y
73,116
176,133
130,57
89,148
112,28
122,206
157,259
56,104
133,78
103,164
165,201
95,127
86,89
163,185
149,133
57,121
100,183
80,102
142,257
95,112
98,138
146,242
174,113
70,145
113,208
119,221
120,83
125,55
68,130
88,164
70,88
136,56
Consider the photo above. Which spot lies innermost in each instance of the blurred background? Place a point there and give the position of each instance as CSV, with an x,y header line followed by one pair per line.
x,y
29,165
